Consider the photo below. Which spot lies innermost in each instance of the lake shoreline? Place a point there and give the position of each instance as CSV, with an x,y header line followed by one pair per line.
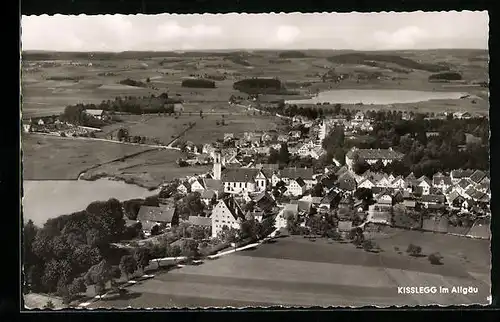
x,y
377,97
43,200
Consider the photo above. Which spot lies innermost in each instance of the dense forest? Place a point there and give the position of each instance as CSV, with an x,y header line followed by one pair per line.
x,y
198,83
131,82
292,54
261,86
129,104
424,155
367,59
445,76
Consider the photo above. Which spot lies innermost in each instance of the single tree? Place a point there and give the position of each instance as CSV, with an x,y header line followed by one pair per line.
x,y
142,257
414,250
128,265
49,305
435,259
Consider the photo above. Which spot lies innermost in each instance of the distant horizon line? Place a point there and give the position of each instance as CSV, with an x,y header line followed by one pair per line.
x,y
242,49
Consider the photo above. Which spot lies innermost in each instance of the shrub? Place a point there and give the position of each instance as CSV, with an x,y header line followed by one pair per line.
x,y
435,259
414,250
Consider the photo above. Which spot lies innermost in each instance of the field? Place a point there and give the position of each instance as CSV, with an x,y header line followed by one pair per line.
x,y
91,84
296,272
56,158
149,169
166,128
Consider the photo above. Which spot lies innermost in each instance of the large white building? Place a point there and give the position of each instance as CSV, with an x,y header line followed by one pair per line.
x,y
228,213
371,156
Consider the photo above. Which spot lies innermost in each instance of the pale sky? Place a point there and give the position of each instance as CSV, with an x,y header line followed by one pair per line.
x,y
358,31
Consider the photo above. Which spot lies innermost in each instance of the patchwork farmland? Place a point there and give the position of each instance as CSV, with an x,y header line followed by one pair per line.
x,y
293,272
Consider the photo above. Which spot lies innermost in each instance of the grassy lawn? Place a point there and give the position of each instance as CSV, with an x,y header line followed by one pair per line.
x,y
55,158
290,272
148,169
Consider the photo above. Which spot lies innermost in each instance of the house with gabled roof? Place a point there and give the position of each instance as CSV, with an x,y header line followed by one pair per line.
x,y
428,200
457,175
371,156
383,182
398,183
425,184
264,201
477,176
455,200
198,185
330,200
296,187
207,196
286,174
463,185
227,212
150,216
184,187
366,183
441,181
200,221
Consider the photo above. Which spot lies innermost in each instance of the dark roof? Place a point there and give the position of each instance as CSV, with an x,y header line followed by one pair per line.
x,y
453,195
233,207
200,221
302,204
341,171
300,182
409,203
239,174
464,183
156,214
264,201
458,174
433,198
424,179
293,173
207,194
330,197
388,154
212,184
347,182
477,176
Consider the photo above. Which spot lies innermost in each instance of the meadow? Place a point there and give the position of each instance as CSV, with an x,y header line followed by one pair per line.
x,y
149,169
296,272
47,89
56,158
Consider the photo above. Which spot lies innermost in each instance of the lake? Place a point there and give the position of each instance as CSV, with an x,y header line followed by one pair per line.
x,y
45,199
376,96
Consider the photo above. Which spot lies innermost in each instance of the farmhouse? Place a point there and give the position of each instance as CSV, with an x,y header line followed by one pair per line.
x,y
150,216
287,174
98,114
296,187
200,221
371,156
228,213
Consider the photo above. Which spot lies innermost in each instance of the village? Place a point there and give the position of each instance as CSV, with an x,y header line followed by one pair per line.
x,y
455,202
239,188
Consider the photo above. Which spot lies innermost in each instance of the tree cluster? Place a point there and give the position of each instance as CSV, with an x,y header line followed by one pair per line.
x,y
198,83
66,247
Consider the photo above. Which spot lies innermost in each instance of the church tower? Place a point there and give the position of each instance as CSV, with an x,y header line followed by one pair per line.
x,y
217,165
323,131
